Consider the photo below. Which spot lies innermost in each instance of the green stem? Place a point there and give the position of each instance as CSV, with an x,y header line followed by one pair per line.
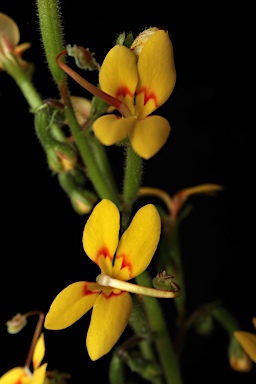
x,y
138,321
51,32
49,19
23,81
228,322
175,257
93,170
100,155
162,340
132,182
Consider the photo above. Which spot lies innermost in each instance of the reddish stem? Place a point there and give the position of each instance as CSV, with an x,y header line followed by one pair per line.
x,y
121,107
35,337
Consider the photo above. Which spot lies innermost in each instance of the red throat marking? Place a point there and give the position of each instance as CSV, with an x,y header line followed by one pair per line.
x,y
123,91
125,262
148,95
103,252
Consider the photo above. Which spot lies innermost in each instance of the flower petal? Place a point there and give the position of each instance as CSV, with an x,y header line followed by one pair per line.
x,y
110,316
71,304
15,376
119,76
248,342
101,234
149,135
138,243
157,74
39,375
110,129
9,29
82,108
39,352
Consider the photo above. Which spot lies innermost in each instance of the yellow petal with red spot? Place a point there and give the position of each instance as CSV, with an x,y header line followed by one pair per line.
x,y
138,243
39,352
119,76
101,232
248,342
9,30
15,376
157,74
110,129
149,135
110,316
39,375
71,304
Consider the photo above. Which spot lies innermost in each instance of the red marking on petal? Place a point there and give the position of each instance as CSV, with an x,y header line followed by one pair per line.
x,y
103,252
148,96
87,291
123,91
111,294
125,262
20,380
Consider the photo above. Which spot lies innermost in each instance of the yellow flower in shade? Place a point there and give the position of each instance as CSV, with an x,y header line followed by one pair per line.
x,y
142,84
118,261
248,341
136,82
9,39
23,375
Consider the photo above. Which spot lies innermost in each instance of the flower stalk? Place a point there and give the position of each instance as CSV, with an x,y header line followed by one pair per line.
x,y
52,37
163,343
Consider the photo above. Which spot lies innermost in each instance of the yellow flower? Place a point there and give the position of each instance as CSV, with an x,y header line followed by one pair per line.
x,y
248,341
23,375
9,39
136,82
118,261
142,85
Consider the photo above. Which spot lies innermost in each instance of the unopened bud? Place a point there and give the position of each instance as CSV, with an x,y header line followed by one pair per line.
x,y
83,201
61,157
67,156
53,160
238,358
16,324
83,57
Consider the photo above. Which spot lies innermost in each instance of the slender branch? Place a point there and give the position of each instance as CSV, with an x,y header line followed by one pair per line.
x,y
51,32
162,339
35,337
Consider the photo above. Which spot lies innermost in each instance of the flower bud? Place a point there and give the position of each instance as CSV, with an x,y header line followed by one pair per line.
x,y
83,57
66,155
16,324
238,358
81,199
83,202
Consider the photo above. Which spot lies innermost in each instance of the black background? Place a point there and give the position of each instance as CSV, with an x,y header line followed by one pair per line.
x,y
212,114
